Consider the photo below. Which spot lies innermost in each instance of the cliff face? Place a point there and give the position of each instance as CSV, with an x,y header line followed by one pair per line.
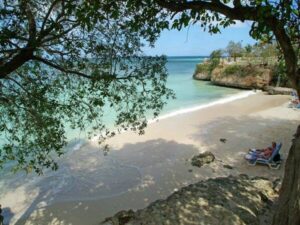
x,y
247,77
239,76
202,76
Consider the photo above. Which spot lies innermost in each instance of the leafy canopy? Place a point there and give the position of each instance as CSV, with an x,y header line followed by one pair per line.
x,y
64,64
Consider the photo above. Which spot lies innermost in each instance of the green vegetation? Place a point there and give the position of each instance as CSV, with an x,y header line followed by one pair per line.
x,y
241,70
234,50
211,64
248,60
61,64
203,68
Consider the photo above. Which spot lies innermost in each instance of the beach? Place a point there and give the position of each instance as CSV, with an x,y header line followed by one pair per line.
x,y
90,186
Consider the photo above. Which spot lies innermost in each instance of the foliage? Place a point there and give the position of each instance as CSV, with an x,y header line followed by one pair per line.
x,y
241,70
234,50
62,64
211,64
202,67
215,57
248,49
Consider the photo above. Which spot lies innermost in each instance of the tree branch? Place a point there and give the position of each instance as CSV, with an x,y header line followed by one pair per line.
x,y
60,68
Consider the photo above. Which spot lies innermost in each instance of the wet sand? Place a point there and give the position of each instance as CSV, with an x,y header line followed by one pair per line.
x,y
141,169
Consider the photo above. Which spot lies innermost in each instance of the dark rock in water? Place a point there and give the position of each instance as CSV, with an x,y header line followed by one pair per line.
x,y
228,167
202,158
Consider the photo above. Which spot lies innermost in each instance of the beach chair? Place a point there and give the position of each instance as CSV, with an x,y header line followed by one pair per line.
x,y
295,102
254,159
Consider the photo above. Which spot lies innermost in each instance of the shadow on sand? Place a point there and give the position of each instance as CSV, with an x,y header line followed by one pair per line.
x,y
157,166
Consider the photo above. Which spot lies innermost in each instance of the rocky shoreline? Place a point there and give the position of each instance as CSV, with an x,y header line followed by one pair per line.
x,y
229,200
237,76
242,77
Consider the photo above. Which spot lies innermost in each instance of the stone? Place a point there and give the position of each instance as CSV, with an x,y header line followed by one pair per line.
x,y
241,199
121,218
278,90
228,167
202,158
202,76
259,80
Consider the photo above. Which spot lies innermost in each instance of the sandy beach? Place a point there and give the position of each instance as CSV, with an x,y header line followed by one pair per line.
x,y
141,169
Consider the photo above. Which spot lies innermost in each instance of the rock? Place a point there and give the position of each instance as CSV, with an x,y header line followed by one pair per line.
x,y
223,140
277,184
278,90
202,76
202,158
247,77
229,200
228,167
121,218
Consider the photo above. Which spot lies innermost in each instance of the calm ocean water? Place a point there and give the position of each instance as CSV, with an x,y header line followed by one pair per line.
x,y
190,92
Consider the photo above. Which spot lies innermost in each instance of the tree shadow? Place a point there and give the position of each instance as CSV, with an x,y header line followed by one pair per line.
x,y
136,174
227,201
89,183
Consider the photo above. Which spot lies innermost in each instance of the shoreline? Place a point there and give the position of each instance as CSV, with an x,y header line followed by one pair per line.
x,y
161,156
173,113
233,97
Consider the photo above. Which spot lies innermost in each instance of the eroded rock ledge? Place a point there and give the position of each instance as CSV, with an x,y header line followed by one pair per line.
x,y
230,200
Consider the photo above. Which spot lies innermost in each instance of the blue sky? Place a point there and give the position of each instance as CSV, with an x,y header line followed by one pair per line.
x,y
194,41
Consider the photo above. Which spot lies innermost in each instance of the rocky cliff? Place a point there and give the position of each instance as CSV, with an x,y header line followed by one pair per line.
x,y
202,76
230,200
242,76
239,76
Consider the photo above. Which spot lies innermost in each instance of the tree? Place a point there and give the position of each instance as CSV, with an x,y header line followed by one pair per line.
x,y
277,20
62,65
214,59
234,50
248,49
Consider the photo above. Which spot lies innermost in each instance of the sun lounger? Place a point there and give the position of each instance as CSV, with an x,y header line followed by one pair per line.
x,y
253,158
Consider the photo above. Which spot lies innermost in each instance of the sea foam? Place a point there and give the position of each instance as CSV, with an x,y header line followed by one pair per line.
x,y
224,100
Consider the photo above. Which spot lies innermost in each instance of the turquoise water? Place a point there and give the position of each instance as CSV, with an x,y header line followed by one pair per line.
x,y
190,92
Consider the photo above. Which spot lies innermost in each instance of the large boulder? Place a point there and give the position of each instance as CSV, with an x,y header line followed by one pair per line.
x,y
229,200
202,159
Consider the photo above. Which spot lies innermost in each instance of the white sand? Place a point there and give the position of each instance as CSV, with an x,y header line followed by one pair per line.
x,y
141,169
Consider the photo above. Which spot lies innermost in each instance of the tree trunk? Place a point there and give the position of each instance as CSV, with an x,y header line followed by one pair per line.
x,y
288,211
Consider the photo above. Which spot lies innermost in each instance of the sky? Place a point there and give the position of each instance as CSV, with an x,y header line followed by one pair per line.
x,y
196,42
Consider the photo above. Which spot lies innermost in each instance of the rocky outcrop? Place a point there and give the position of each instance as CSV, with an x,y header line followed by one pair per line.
x,y
202,158
278,90
205,76
231,200
246,77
